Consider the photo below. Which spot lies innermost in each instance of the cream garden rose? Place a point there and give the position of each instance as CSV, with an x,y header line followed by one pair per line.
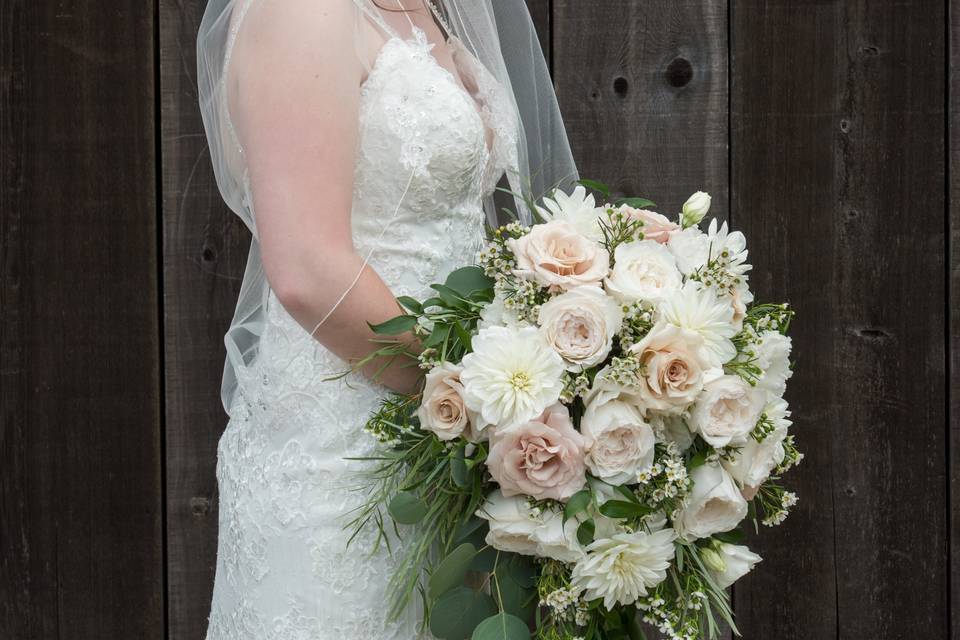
x,y
443,409
580,325
726,411
556,255
643,270
619,442
541,458
714,505
673,361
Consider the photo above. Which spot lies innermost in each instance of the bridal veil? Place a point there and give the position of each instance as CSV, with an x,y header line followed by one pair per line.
x,y
499,33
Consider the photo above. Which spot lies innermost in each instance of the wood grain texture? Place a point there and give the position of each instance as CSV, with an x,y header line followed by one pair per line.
x,y
80,493
953,310
837,136
205,249
643,88
643,91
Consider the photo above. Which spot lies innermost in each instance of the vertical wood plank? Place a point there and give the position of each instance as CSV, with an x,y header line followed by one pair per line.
x,y
205,249
643,88
838,182
643,91
953,310
81,552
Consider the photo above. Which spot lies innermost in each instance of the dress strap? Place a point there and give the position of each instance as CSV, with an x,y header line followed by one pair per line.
x,y
368,8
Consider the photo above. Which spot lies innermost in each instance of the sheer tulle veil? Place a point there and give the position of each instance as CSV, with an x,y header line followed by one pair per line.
x,y
499,33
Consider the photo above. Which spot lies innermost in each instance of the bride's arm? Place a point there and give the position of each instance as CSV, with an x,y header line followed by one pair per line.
x,y
296,107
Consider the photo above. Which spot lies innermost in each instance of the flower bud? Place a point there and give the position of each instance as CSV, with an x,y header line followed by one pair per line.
x,y
713,560
695,208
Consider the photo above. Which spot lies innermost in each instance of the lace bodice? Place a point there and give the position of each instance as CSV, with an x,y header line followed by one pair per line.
x,y
283,569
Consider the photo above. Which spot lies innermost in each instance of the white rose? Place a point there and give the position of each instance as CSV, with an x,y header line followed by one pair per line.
x,y
442,409
696,208
620,443
714,505
512,523
516,528
556,539
737,561
726,411
773,358
643,270
580,325
753,463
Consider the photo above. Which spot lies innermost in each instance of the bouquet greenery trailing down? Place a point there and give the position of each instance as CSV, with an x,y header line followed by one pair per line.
x,y
602,413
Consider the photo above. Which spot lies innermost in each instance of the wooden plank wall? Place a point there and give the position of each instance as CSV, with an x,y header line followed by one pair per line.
x,y
820,128
81,540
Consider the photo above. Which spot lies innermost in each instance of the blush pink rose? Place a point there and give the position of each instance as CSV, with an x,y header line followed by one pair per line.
x,y
542,458
656,227
555,254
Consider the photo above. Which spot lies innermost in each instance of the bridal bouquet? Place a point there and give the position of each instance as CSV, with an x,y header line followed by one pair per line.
x,y
602,412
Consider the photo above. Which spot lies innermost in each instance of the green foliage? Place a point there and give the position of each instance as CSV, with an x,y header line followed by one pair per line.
x,y
502,626
458,612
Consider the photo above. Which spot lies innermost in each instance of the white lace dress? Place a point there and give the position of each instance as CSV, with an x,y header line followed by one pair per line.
x,y
283,570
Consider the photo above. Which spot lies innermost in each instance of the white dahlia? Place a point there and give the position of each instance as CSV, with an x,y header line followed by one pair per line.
x,y
621,569
700,310
511,376
578,208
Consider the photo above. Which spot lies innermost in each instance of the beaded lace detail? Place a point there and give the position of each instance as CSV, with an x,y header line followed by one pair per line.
x,y
283,569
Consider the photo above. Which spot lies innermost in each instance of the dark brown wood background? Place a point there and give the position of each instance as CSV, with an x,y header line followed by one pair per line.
x,y
821,128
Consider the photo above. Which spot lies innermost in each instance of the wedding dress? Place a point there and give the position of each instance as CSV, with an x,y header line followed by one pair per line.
x,y
283,569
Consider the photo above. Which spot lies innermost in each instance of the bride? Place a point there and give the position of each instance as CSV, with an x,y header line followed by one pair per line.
x,y
361,142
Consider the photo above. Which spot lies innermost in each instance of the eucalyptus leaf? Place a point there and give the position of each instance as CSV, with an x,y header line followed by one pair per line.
x,y
623,509
410,304
577,504
586,531
637,203
395,326
511,596
456,614
407,508
464,336
466,280
595,185
452,570
502,626
458,470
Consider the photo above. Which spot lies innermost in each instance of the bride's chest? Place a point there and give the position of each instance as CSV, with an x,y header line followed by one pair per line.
x,y
420,131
